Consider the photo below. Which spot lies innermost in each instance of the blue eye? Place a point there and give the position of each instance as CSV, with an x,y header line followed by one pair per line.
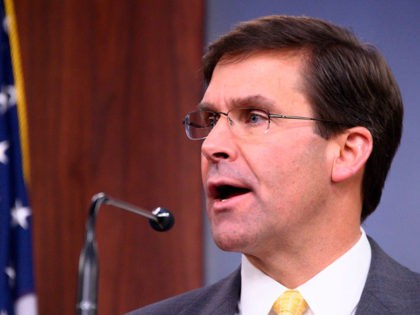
x,y
254,117
212,120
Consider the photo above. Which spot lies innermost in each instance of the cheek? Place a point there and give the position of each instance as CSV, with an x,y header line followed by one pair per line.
x,y
269,163
204,168
285,173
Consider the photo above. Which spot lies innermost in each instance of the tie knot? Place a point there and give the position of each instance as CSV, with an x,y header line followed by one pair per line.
x,y
290,302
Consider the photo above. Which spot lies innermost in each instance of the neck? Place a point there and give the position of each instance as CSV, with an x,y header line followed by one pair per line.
x,y
296,260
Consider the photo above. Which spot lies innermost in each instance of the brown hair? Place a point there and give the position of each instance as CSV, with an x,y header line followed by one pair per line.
x,y
345,80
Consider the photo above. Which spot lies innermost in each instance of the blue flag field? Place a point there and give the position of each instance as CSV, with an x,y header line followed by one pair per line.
x,y
17,290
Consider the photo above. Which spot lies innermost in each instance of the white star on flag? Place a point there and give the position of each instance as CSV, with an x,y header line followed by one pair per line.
x,y
4,145
11,273
7,98
20,215
3,104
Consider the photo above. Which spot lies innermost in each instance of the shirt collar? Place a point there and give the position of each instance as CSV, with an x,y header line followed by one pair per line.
x,y
258,291
335,290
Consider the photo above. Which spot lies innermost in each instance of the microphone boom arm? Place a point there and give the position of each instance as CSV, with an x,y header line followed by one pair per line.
x,y
129,207
160,219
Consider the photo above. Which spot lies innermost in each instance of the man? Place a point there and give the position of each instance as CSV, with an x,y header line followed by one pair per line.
x,y
299,122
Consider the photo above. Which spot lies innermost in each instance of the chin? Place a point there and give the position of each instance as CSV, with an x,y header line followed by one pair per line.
x,y
230,242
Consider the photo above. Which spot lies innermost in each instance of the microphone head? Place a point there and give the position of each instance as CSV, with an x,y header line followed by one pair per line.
x,y
164,220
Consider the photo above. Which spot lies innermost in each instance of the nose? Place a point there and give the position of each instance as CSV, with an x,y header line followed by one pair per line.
x,y
220,143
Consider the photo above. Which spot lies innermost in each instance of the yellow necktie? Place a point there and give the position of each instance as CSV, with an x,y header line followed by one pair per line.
x,y
290,303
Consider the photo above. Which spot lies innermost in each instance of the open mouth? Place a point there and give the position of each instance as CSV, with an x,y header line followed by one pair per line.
x,y
224,192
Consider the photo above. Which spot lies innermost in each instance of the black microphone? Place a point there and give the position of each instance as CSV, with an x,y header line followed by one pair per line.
x,y
160,220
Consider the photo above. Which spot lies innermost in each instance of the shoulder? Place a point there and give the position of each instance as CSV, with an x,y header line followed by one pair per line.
x,y
390,286
386,268
222,295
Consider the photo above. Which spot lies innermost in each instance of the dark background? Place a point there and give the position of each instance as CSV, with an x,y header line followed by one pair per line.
x,y
107,86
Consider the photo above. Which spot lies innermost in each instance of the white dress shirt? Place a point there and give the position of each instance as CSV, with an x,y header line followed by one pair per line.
x,y
336,290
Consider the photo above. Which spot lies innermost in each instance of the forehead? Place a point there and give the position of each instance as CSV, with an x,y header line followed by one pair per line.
x,y
275,76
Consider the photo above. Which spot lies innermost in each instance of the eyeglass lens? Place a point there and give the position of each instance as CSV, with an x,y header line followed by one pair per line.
x,y
244,122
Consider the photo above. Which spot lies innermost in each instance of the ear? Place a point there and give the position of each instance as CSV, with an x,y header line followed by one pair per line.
x,y
355,146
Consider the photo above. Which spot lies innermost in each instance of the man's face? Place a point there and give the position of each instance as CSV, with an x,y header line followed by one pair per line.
x,y
262,190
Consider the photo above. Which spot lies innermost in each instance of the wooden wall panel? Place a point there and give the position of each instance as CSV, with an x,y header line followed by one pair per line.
x,y
108,83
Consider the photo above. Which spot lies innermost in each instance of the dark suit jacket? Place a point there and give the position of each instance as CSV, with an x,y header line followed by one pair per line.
x,y
390,289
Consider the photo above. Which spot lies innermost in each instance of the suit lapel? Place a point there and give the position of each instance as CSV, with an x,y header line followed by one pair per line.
x,y
223,301
369,304
382,293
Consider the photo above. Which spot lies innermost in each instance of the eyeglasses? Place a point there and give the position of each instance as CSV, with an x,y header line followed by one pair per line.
x,y
244,122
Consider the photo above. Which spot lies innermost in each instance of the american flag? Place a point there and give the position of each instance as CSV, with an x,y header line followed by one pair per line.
x,y
17,294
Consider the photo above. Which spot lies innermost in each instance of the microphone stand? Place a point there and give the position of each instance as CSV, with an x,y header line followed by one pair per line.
x,y
160,219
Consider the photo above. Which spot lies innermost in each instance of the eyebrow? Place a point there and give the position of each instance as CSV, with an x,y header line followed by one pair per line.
x,y
257,101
